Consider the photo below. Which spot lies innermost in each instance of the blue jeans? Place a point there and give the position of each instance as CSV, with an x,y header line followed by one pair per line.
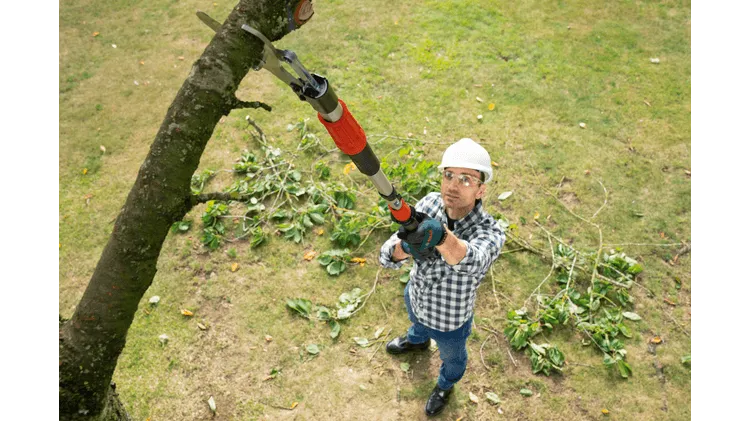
x,y
452,346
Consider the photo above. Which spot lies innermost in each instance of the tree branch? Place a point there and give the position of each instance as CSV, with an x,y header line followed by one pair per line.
x,y
551,270
222,197
92,340
606,194
374,284
262,138
236,104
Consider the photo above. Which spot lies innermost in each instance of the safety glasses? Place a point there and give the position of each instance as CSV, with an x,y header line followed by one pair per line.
x,y
465,180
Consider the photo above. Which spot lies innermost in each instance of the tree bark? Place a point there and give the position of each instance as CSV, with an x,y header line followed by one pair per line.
x,y
92,340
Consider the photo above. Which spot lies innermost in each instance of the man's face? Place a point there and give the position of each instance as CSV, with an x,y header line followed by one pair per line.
x,y
456,194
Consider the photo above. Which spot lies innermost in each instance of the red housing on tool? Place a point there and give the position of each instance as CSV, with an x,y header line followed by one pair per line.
x,y
403,214
346,132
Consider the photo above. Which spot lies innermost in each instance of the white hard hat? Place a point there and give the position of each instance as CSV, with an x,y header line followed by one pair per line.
x,y
467,153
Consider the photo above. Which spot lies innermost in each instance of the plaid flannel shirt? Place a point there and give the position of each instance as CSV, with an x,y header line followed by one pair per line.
x,y
442,296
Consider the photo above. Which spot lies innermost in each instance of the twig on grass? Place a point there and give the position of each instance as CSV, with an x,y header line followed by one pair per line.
x,y
551,270
481,355
380,344
374,284
677,323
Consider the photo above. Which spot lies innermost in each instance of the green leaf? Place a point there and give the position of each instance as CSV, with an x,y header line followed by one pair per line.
x,y
335,328
219,227
281,214
305,305
635,269
325,260
259,237
324,313
526,392
363,342
317,218
405,367
685,359
595,304
624,368
292,304
504,195
336,267
344,199
295,190
352,296
300,305
344,313
585,326
337,252
556,357
538,349
631,316
181,226
492,397
404,278
323,171
608,360
313,349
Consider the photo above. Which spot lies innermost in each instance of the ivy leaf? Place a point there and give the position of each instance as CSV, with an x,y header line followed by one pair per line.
x,y
405,367
526,392
313,349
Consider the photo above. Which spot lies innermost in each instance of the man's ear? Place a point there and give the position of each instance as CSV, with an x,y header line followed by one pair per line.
x,y
480,192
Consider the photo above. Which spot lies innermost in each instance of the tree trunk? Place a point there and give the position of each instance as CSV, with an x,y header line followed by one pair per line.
x,y
91,341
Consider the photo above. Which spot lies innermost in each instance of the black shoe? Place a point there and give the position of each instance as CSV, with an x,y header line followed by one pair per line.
x,y
437,400
401,345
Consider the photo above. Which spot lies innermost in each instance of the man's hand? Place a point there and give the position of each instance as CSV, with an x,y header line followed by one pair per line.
x,y
428,234
418,255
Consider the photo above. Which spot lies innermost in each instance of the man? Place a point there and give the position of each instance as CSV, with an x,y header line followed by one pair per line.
x,y
453,248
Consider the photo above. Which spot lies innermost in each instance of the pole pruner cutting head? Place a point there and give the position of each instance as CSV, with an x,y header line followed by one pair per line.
x,y
272,61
